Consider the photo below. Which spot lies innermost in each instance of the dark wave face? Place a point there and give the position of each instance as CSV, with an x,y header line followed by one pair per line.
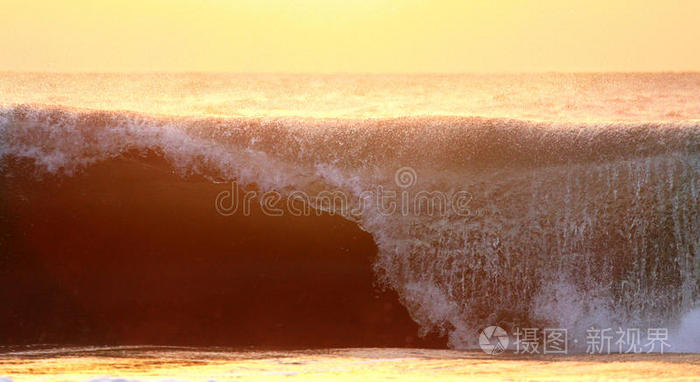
x,y
470,221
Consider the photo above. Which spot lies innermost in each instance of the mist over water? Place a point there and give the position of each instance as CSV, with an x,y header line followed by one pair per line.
x,y
584,189
573,97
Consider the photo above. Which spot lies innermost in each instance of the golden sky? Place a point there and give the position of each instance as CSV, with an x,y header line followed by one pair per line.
x,y
350,35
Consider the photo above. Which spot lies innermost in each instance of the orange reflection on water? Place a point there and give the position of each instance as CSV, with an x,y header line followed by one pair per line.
x,y
138,363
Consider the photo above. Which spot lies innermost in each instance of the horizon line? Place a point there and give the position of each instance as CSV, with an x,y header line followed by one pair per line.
x,y
13,71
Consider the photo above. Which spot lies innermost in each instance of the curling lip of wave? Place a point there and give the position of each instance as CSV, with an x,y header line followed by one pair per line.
x,y
68,138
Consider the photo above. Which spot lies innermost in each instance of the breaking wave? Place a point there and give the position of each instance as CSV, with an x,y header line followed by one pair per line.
x,y
569,225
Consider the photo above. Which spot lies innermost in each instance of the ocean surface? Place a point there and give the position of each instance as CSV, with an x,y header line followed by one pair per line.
x,y
566,201
133,363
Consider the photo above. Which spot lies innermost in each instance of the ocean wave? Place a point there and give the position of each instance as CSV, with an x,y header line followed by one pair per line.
x,y
572,225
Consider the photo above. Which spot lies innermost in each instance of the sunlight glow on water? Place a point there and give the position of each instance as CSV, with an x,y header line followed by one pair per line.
x,y
557,97
147,364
